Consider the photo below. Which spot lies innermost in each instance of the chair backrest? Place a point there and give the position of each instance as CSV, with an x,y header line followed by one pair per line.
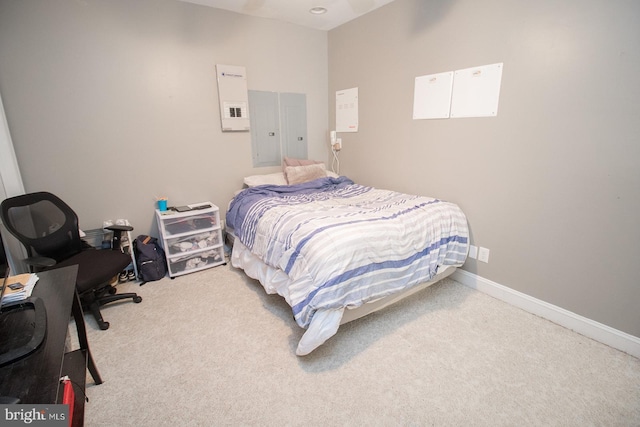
x,y
43,223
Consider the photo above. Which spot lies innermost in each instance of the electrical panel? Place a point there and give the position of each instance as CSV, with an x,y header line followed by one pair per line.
x,y
234,98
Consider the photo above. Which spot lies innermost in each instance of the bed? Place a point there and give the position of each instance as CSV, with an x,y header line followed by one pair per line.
x,y
336,250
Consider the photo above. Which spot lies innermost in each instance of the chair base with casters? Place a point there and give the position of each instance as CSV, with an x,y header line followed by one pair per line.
x,y
92,297
48,229
94,306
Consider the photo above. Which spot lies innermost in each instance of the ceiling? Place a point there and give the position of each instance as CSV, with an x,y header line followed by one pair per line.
x,y
297,11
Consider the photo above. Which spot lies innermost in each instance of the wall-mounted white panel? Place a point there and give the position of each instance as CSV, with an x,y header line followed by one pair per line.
x,y
347,110
234,99
432,96
476,91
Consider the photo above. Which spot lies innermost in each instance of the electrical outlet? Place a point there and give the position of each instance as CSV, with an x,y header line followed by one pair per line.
x,y
473,252
483,254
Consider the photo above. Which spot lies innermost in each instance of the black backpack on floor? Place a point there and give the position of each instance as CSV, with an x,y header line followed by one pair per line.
x,y
150,259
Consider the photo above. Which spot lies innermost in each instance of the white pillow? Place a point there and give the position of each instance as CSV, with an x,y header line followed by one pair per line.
x,y
277,178
268,179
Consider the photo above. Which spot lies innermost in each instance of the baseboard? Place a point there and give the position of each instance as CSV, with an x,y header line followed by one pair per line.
x,y
587,327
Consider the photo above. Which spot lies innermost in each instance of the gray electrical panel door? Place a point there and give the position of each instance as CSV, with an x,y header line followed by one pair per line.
x,y
265,128
293,119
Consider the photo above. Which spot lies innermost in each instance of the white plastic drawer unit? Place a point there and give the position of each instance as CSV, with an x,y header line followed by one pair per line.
x,y
192,240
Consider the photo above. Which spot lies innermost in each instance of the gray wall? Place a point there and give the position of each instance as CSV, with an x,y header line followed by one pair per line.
x,y
113,102
552,184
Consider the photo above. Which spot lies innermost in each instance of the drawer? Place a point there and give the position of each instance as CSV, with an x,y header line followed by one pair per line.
x,y
193,242
195,261
190,224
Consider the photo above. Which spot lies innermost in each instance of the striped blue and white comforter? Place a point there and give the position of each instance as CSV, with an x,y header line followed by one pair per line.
x,y
344,244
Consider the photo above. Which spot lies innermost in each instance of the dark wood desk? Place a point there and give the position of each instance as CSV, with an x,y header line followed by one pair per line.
x,y
36,378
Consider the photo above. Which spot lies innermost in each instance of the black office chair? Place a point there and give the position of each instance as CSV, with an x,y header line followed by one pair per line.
x,y
48,229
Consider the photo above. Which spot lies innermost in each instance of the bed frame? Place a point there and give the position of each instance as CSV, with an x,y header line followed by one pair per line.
x,y
351,314
271,280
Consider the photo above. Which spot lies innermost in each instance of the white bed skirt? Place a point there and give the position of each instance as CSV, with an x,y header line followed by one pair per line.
x,y
325,323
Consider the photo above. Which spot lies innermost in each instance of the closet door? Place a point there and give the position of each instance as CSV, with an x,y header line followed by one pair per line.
x,y
10,179
293,119
10,185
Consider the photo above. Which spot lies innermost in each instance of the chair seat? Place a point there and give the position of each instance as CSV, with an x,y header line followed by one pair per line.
x,y
96,266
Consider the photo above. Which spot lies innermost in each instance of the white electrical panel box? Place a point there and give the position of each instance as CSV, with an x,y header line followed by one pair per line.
x,y
234,97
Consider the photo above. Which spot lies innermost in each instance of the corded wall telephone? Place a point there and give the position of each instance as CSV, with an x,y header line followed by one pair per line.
x,y
336,143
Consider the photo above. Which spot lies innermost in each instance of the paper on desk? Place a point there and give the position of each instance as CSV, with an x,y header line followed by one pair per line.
x,y
10,295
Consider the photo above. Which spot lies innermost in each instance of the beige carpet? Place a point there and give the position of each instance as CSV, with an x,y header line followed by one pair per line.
x,y
211,348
